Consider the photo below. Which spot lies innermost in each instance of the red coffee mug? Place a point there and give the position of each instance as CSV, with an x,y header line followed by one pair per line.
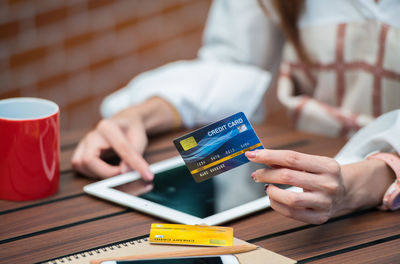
x,y
29,148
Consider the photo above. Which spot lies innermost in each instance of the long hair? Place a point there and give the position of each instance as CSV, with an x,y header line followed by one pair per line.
x,y
289,12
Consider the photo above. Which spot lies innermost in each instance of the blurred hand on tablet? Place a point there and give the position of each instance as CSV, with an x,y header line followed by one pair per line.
x,y
126,134
329,190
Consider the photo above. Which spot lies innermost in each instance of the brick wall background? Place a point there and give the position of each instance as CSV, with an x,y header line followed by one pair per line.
x,y
75,52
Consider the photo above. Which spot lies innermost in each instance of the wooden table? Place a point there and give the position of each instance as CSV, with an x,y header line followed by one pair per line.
x,y
72,221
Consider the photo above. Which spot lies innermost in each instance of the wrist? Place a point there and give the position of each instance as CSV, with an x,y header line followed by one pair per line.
x,y
365,184
128,116
155,115
391,198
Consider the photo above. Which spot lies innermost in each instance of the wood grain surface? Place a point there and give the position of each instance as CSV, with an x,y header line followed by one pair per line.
x,y
72,221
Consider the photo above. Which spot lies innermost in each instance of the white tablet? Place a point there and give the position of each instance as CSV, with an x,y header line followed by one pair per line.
x,y
175,196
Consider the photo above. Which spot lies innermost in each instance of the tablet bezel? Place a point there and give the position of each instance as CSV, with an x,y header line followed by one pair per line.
x,y
104,189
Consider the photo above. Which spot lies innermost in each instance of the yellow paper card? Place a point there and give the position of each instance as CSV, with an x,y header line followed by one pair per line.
x,y
191,235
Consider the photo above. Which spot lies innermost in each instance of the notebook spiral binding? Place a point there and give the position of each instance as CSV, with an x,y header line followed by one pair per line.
x,y
96,251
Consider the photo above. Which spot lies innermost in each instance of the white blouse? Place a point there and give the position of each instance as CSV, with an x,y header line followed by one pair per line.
x,y
240,55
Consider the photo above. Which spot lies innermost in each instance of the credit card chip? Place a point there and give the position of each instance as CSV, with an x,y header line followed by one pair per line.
x,y
188,143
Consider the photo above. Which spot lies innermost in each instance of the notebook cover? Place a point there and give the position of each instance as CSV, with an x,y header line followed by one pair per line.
x,y
142,246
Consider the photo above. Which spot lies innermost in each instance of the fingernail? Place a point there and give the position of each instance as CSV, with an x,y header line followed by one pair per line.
x,y
253,175
124,168
250,154
148,175
266,186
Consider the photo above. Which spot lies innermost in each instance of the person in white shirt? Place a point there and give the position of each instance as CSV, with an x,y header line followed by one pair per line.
x,y
337,72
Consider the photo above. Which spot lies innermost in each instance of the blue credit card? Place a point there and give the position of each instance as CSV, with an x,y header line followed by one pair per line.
x,y
218,147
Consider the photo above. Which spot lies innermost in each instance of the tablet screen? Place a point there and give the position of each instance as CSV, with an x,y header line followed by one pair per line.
x,y
224,259
176,188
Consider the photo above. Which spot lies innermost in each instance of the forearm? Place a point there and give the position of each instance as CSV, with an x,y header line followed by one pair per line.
x,y
155,114
365,183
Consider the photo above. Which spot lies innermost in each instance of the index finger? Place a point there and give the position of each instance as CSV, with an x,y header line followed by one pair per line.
x,y
123,148
294,160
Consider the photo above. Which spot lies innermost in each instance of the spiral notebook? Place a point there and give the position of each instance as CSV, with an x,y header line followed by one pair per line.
x,y
141,245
